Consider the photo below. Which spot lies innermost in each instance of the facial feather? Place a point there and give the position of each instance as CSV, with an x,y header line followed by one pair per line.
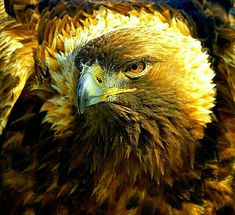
x,y
157,126
155,41
141,151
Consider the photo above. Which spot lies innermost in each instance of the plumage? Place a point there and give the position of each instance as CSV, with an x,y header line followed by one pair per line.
x,y
117,107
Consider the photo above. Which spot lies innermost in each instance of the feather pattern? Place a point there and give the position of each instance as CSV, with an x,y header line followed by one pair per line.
x,y
167,149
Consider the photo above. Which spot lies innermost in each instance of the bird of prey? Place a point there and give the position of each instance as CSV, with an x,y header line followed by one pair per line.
x,y
122,108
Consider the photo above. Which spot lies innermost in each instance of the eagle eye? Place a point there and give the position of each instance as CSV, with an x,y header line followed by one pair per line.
x,y
135,69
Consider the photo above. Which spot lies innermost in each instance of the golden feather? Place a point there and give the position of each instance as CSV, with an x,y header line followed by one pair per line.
x,y
160,143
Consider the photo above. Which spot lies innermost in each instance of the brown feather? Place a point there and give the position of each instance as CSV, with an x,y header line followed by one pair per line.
x,y
167,148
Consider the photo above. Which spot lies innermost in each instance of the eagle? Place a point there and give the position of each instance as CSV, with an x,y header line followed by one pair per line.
x,y
123,108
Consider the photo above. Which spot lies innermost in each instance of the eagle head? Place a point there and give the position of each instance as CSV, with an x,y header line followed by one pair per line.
x,y
133,91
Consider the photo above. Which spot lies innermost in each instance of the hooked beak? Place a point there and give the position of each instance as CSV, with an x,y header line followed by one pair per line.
x,y
91,88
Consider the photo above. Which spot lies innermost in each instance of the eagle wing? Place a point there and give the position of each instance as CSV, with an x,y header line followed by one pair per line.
x,y
17,63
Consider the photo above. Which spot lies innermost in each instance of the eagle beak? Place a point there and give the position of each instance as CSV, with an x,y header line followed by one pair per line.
x,y
91,88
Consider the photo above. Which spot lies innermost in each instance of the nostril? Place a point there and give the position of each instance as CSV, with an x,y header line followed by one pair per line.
x,y
98,79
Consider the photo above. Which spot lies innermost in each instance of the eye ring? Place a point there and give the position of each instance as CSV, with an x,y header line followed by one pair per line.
x,y
135,69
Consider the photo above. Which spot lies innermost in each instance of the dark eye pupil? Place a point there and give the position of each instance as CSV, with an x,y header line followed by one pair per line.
x,y
134,66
